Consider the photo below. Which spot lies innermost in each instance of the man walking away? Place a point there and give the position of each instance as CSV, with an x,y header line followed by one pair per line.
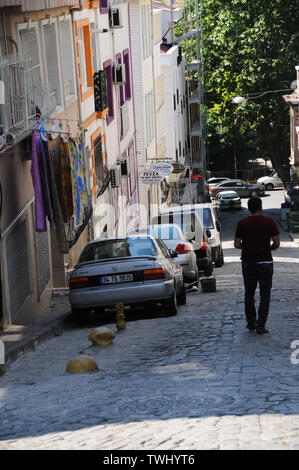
x,y
253,236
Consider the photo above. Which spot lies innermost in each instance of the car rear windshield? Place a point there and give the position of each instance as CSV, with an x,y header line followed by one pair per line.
x,y
135,246
165,232
229,196
206,217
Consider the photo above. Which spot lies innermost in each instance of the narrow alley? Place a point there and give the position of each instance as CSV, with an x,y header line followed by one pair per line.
x,y
199,380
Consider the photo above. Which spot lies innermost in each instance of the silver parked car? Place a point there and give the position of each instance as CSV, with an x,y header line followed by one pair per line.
x,y
174,238
228,200
134,270
242,188
216,180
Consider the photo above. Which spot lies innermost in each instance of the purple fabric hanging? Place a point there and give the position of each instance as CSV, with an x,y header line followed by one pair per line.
x,y
45,173
40,214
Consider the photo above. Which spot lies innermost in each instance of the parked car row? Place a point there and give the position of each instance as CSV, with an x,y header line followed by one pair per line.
x,y
149,266
242,188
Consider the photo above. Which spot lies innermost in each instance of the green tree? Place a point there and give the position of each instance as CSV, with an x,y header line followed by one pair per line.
x,y
248,47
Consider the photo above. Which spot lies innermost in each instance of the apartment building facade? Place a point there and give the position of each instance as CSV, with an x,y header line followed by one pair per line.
x,y
66,75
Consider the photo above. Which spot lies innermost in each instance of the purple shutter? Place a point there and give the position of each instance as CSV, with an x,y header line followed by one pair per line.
x,y
104,8
126,58
107,66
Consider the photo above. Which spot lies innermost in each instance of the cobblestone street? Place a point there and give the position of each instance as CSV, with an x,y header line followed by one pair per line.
x,y
199,380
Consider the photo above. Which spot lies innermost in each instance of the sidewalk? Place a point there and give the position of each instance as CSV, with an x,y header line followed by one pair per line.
x,y
18,339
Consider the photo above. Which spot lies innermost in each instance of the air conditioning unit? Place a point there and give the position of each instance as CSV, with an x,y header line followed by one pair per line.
x,y
115,18
119,74
115,173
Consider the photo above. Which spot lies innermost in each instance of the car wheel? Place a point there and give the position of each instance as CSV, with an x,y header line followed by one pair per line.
x,y
208,270
80,316
182,296
171,305
219,260
253,193
269,187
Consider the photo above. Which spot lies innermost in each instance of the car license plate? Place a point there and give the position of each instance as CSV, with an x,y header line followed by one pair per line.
x,y
116,278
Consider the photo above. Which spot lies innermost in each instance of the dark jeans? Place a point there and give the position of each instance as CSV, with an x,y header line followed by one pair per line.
x,y
254,274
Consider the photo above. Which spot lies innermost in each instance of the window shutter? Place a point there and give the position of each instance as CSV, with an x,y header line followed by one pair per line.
x,y
100,90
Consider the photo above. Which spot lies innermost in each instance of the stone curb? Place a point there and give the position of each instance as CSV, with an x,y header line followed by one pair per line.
x,y
33,340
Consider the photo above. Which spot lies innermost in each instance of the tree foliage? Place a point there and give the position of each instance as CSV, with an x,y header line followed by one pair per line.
x,y
249,47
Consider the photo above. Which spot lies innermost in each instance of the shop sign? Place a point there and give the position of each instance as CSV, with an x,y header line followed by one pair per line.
x,y
151,177
163,167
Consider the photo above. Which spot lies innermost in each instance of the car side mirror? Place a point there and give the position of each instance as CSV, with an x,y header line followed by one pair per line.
x,y
173,254
218,226
208,232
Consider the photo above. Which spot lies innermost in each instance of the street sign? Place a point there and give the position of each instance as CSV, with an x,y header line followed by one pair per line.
x,y
151,176
163,167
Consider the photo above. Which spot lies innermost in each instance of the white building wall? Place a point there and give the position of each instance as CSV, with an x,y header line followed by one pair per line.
x,y
176,121
110,207
143,69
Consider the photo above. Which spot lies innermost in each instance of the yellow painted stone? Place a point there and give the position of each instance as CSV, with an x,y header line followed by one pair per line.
x,y
101,337
81,364
120,317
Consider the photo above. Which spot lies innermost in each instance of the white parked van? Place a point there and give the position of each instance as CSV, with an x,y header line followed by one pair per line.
x,y
207,213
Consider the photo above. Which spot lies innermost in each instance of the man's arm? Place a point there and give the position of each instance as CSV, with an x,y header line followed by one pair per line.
x,y
276,242
238,243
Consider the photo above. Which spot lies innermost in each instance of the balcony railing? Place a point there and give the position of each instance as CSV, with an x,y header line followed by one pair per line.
x,y
25,99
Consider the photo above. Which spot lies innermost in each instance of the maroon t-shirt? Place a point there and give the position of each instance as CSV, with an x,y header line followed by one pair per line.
x,y
256,232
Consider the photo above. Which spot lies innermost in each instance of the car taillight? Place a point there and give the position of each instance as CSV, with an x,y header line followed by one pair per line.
x,y
182,248
153,274
78,282
204,245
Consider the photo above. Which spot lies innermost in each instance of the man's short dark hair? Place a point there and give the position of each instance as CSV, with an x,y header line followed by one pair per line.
x,y
254,204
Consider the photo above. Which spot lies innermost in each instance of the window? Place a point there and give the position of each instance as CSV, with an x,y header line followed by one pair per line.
x,y
3,45
121,101
146,30
67,59
126,59
51,60
119,248
84,54
131,157
109,80
51,68
29,47
83,74
94,49
98,159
